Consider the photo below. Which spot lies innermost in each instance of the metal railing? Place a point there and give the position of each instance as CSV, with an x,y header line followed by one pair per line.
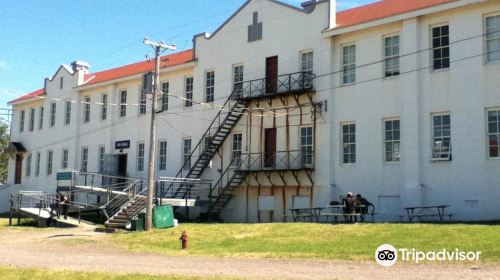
x,y
282,160
287,83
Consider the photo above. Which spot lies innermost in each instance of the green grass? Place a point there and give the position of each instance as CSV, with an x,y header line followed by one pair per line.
x,y
323,241
11,273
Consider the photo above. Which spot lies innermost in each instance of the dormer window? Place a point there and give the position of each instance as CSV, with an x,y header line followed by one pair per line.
x,y
255,29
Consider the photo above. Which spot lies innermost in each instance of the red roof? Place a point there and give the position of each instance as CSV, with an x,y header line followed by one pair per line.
x,y
37,92
383,9
124,71
139,67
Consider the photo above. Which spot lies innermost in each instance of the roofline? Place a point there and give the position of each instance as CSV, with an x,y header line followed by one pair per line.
x,y
420,12
177,67
27,100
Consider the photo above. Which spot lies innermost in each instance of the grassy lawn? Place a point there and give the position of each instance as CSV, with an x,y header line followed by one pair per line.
x,y
324,241
10,273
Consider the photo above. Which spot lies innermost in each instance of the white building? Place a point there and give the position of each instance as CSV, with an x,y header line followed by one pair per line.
x,y
396,100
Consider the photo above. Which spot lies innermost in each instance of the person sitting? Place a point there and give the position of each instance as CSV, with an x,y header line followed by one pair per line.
x,y
350,208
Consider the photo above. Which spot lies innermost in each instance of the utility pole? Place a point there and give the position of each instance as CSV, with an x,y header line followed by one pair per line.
x,y
158,46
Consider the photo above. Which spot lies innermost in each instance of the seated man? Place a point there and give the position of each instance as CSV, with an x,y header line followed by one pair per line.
x,y
362,201
350,207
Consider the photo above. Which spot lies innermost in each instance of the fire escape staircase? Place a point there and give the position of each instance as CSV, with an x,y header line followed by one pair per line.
x,y
223,190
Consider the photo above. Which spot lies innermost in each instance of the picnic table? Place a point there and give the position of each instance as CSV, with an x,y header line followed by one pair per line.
x,y
307,212
338,211
421,211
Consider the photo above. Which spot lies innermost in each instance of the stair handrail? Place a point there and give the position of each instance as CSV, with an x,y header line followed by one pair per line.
x,y
200,143
143,192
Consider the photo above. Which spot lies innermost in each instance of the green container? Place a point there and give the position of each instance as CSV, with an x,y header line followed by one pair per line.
x,y
163,216
138,224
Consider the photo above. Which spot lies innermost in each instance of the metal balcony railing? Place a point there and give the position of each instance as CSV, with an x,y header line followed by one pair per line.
x,y
282,84
282,160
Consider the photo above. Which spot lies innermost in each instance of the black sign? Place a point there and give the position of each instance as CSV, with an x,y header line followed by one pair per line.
x,y
120,145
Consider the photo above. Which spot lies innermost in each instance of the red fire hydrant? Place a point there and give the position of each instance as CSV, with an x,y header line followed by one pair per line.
x,y
184,240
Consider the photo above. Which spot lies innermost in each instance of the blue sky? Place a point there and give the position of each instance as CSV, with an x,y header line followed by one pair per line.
x,y
38,36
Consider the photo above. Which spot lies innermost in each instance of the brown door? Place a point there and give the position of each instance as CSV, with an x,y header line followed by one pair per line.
x,y
270,147
19,169
271,74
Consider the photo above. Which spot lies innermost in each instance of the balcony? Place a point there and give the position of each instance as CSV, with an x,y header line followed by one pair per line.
x,y
277,161
294,83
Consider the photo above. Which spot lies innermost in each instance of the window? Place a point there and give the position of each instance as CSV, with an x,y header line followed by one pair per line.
x,y
37,166
40,122
306,61
28,166
123,103
189,92
102,152
186,152
349,64
238,79
53,113
441,47
140,157
21,123
306,145
104,107
164,97
494,133
392,140
61,82
50,158
64,159
209,86
86,111
67,114
32,119
255,29
84,160
236,149
162,159
349,143
441,137
493,38
391,54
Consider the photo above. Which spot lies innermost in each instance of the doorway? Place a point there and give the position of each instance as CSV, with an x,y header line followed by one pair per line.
x,y
19,169
122,165
270,147
271,74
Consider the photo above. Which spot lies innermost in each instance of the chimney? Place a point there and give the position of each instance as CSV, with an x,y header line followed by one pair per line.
x,y
81,68
332,16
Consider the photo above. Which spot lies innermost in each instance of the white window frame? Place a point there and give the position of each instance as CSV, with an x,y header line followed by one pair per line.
x,y
162,155
306,148
104,106
490,135
84,160
86,109
67,112
188,91
186,153
50,161
123,103
487,38
165,90
350,143
140,156
32,120
22,120
40,115
306,59
238,78
64,158
441,47
53,112
348,67
38,161
236,148
101,158
391,54
209,86
440,153
395,156
28,165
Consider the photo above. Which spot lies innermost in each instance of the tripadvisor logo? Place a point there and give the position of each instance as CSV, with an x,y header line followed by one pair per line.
x,y
387,255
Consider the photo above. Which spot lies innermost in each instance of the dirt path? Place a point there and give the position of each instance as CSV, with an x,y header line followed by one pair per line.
x,y
85,250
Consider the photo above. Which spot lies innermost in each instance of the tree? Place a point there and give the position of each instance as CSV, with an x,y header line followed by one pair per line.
x,y
4,157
